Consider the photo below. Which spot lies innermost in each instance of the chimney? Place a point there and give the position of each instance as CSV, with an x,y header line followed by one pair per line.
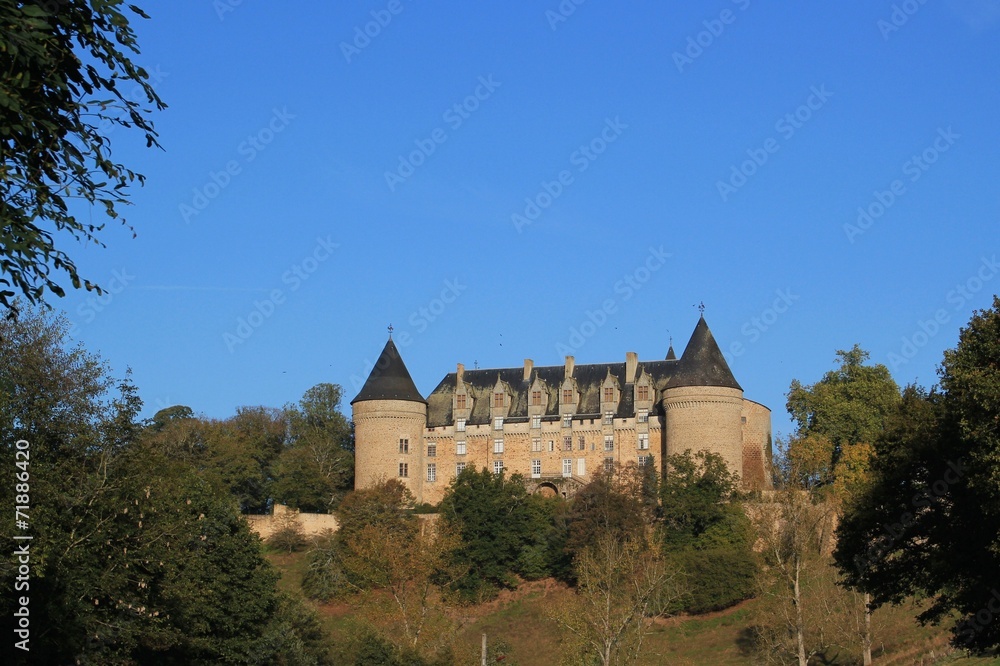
x,y
631,362
528,366
570,362
461,373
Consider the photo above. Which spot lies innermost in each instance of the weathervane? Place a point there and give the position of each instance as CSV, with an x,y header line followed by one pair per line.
x,y
390,331
701,308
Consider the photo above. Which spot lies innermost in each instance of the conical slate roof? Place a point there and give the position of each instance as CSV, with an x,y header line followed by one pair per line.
x,y
702,363
671,356
389,379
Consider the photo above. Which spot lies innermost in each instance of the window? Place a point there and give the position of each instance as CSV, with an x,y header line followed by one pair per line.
x,y
567,396
498,467
567,420
609,394
460,425
581,466
459,468
536,398
583,443
432,450
536,421
609,442
536,444
404,470
642,392
609,465
536,468
498,423
567,467
432,472
609,418
404,445
643,460
498,445
642,416
460,401
498,399
460,448
743,419
643,441
567,443
552,445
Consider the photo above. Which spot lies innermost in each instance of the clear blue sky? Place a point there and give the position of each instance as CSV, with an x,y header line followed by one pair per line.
x,y
337,170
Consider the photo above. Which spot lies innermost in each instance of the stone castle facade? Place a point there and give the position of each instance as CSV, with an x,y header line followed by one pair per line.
x,y
557,425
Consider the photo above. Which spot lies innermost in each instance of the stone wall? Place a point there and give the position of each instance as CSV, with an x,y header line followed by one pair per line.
x,y
705,418
312,523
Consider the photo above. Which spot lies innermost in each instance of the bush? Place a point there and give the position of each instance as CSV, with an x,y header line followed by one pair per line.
x,y
288,534
717,578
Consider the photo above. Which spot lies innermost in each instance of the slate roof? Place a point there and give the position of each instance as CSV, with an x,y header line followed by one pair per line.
x,y
702,363
389,379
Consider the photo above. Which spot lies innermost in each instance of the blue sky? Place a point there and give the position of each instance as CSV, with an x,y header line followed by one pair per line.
x,y
491,177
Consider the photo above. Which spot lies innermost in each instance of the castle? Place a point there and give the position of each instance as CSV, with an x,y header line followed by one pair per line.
x,y
557,425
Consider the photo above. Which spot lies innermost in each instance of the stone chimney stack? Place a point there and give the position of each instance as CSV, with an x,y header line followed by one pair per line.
x,y
570,363
631,363
461,373
528,367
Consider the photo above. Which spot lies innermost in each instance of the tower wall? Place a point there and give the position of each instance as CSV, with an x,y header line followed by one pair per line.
x,y
378,427
705,418
756,446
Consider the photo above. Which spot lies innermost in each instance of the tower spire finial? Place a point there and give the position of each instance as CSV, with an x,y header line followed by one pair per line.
x,y
701,308
390,331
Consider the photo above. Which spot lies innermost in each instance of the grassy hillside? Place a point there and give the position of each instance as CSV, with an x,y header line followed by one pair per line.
x,y
521,619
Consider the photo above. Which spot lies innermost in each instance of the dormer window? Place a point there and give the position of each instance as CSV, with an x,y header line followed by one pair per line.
x,y
609,394
642,392
536,398
567,396
498,399
460,401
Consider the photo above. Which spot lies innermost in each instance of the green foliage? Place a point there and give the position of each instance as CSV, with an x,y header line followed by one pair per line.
x,y
612,503
288,534
847,406
706,532
137,557
928,523
66,76
316,469
503,531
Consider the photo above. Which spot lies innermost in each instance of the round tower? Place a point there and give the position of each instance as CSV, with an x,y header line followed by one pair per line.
x,y
703,402
389,419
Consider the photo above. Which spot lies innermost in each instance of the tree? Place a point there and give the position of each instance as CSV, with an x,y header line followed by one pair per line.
x,y
706,533
499,524
136,556
612,503
928,522
621,582
316,469
65,68
848,406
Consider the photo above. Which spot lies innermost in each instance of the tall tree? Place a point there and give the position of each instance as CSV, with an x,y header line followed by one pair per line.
x,y
845,408
928,523
65,68
137,556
